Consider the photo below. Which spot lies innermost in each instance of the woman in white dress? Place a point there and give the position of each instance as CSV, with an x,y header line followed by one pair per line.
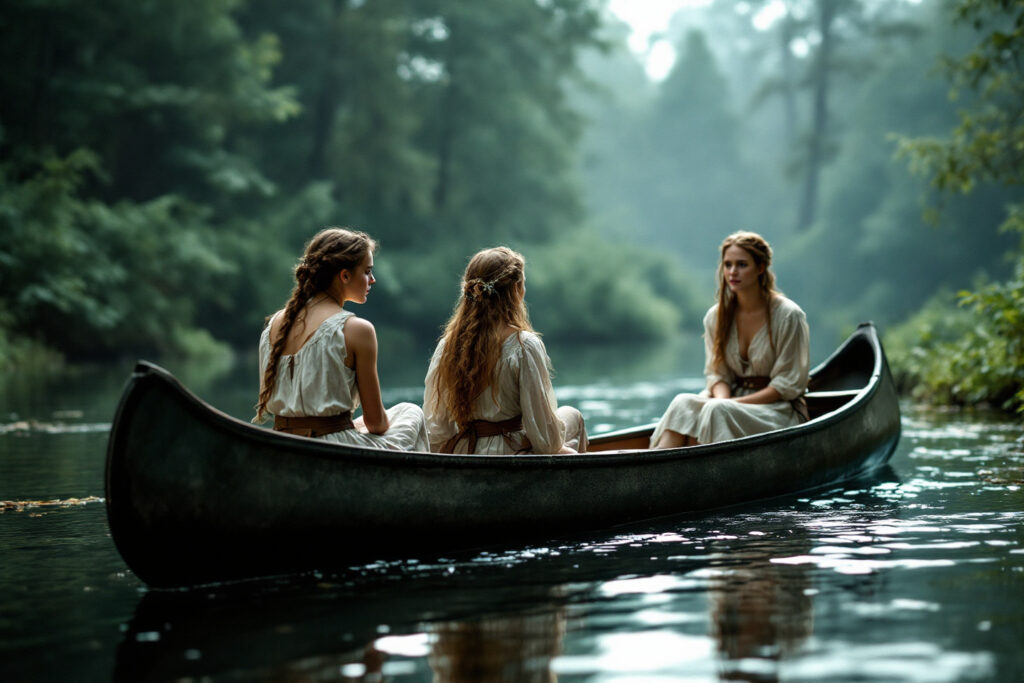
x,y
488,388
318,361
757,358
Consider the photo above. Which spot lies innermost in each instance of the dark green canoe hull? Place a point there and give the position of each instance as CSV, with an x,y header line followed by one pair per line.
x,y
194,495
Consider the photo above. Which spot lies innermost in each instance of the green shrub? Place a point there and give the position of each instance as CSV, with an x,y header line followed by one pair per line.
x,y
969,354
588,289
25,356
96,279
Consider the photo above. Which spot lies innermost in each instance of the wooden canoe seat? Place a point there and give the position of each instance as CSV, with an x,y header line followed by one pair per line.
x,y
821,402
626,442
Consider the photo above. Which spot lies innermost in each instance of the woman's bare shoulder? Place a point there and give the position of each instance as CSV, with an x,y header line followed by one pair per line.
x,y
357,327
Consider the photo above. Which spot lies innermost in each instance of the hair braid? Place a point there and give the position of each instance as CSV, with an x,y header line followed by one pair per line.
x,y
329,252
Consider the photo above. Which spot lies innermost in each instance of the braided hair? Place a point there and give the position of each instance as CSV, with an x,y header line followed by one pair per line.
x,y
329,252
761,254
490,301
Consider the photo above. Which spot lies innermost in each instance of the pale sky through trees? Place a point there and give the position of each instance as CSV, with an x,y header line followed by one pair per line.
x,y
650,19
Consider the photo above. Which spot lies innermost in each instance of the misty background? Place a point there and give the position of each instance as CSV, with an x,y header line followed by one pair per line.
x,y
162,164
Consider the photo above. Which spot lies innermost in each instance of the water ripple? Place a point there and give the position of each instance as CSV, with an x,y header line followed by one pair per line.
x,y
26,427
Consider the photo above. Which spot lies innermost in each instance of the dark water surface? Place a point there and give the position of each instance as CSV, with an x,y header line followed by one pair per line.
x,y
915,574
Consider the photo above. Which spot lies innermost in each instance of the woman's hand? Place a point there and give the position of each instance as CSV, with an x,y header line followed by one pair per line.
x,y
359,425
761,396
721,390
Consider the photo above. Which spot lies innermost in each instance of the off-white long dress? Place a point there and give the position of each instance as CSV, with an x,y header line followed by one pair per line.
x,y
315,381
785,358
523,388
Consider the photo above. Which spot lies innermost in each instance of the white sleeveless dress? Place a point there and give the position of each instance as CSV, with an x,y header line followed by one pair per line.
x,y
785,358
315,381
523,389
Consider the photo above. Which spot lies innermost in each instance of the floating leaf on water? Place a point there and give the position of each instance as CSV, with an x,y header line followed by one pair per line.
x,y
1003,475
20,505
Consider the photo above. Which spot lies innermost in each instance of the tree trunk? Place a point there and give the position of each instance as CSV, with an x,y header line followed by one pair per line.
x,y
327,99
445,141
39,116
816,143
788,90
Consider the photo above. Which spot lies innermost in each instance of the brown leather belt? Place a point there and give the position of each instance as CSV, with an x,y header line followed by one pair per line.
x,y
755,382
758,382
314,425
477,429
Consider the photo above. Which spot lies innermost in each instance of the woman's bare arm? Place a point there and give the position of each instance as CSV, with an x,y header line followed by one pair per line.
x,y
361,341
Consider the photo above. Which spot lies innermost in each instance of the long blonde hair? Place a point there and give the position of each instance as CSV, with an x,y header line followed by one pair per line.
x,y
329,252
490,301
761,253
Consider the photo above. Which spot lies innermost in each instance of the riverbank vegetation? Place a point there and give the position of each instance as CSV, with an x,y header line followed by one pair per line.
x,y
162,164
977,356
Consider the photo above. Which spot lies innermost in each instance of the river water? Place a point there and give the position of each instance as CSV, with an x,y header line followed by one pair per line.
x,y
913,574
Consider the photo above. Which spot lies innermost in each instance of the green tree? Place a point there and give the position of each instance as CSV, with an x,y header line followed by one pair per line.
x,y
120,156
497,133
833,33
498,122
155,89
870,226
985,147
184,152
349,66
696,170
667,166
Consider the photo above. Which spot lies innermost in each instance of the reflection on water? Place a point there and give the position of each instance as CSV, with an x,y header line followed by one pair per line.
x,y
760,614
518,648
913,574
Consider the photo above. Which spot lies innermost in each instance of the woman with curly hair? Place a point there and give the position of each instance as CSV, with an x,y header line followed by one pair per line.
x,y
318,361
488,389
757,360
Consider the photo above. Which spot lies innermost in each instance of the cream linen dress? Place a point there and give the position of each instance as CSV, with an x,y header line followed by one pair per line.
x,y
787,364
523,388
315,381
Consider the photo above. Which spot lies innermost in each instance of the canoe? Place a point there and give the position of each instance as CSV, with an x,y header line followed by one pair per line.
x,y
195,496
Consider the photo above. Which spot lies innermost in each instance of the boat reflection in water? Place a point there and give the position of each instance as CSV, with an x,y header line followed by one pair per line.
x,y
471,630
706,598
323,634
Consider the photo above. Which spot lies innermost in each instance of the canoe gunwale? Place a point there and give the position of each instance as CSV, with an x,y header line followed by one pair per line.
x,y
314,448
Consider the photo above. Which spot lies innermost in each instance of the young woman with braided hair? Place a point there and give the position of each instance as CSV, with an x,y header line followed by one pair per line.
x,y
488,389
757,358
318,361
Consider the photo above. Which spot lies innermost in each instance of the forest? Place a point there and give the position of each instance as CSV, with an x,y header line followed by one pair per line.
x,y
162,164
